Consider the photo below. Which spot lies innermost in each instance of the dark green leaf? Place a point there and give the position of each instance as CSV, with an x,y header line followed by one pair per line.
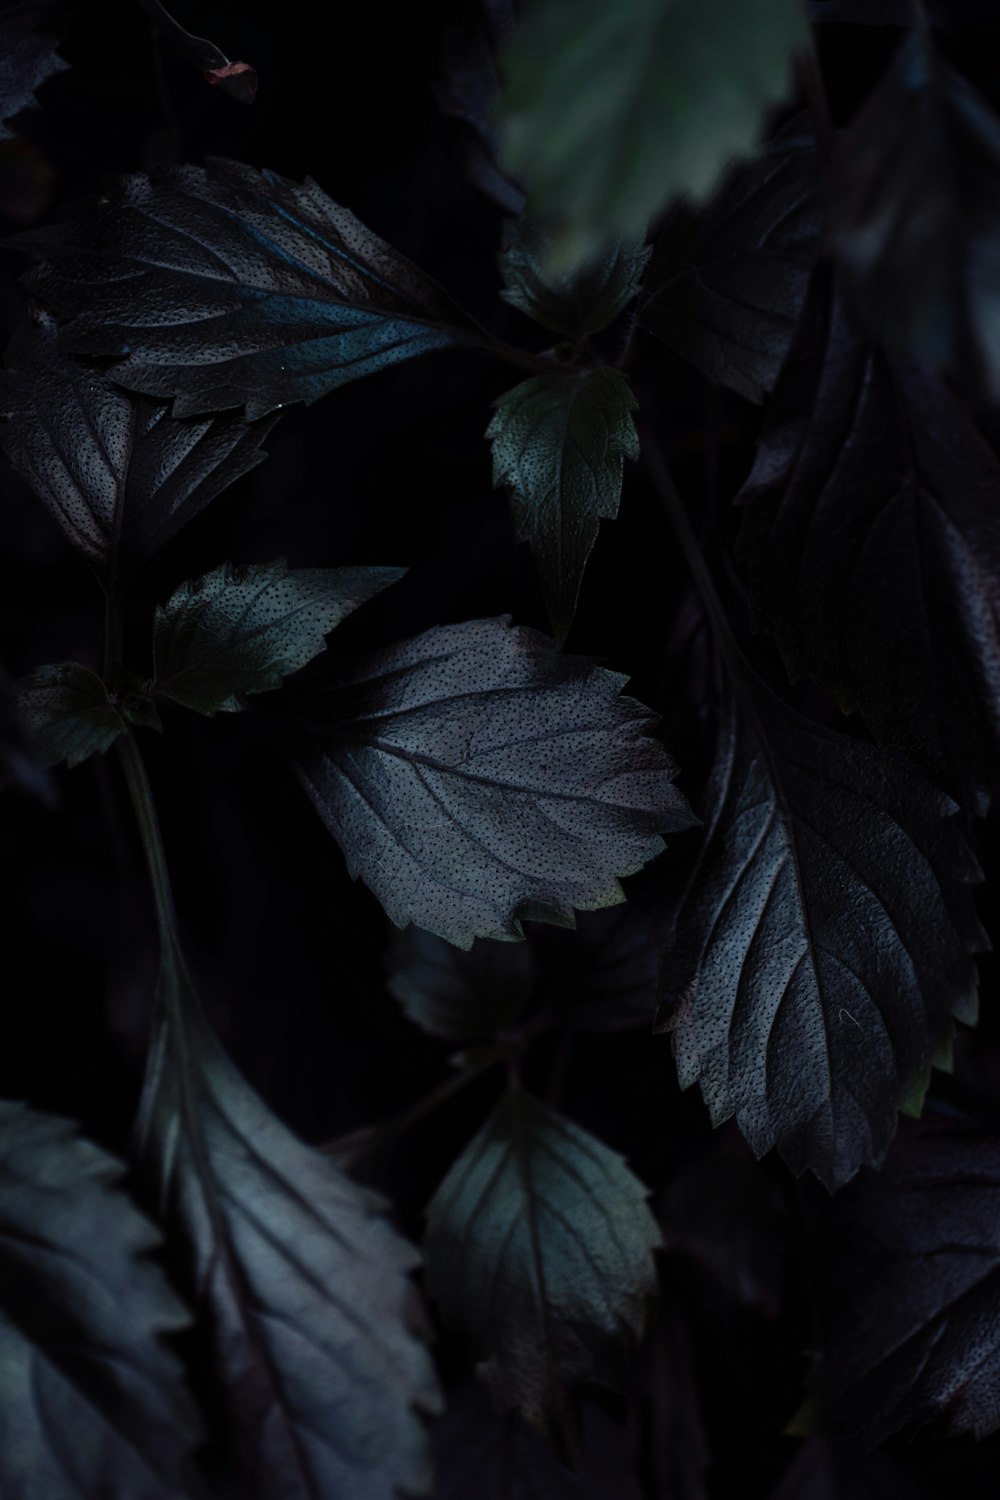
x,y
559,445
571,305
871,538
612,111
474,776
557,1228
466,996
67,712
225,286
241,629
27,56
728,278
118,474
301,1280
92,1402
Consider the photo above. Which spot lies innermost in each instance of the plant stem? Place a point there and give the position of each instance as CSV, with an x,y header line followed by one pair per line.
x,y
113,634
522,359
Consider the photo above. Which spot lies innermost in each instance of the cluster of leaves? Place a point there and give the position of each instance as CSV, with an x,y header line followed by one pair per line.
x,y
681,211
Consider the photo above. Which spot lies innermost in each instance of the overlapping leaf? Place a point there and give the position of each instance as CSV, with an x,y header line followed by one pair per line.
x,y
612,111
241,629
225,286
871,538
92,1401
728,278
603,976
465,996
559,445
27,55
473,776
558,1229
573,305
67,712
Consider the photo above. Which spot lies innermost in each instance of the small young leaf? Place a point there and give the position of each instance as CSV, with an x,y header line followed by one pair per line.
x,y
559,444
240,630
27,56
473,776
93,1402
557,1228
466,996
612,111
728,278
573,305
116,472
67,712
225,286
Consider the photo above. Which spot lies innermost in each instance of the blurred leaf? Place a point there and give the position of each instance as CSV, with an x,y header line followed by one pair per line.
x,y
574,305
27,56
602,976
467,91
557,1229
463,995
66,709
559,445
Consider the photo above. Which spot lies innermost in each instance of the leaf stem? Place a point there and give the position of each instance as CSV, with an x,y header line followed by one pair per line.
x,y
351,1149
522,359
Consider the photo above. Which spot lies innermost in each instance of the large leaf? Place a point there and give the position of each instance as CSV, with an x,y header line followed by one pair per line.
x,y
912,1295
558,1230
302,1282
27,55
241,629
118,474
92,1402
474,776
559,445
821,949
466,996
612,111
67,712
728,278
225,286
915,215
573,305
871,538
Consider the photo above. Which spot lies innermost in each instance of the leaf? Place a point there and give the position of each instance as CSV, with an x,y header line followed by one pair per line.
x,y
822,946
912,1325
603,976
473,776
557,1230
466,996
67,712
559,444
27,56
225,286
728,278
467,91
241,629
573,305
116,472
841,1470
93,1401
872,514
612,111
914,216
301,1280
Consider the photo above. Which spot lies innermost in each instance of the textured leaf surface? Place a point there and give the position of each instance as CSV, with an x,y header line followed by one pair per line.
x,y
67,712
871,539
301,1280
473,776
225,286
913,1309
728,278
559,445
93,1402
27,56
573,305
118,474
822,947
557,1227
241,629
465,995
612,111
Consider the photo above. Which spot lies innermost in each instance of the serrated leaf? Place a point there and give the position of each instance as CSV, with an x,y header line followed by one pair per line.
x,y
822,947
574,305
474,776
728,278
612,111
67,712
116,472
914,215
92,1401
466,996
302,1282
27,56
241,629
225,286
558,1229
912,1305
872,515
559,445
